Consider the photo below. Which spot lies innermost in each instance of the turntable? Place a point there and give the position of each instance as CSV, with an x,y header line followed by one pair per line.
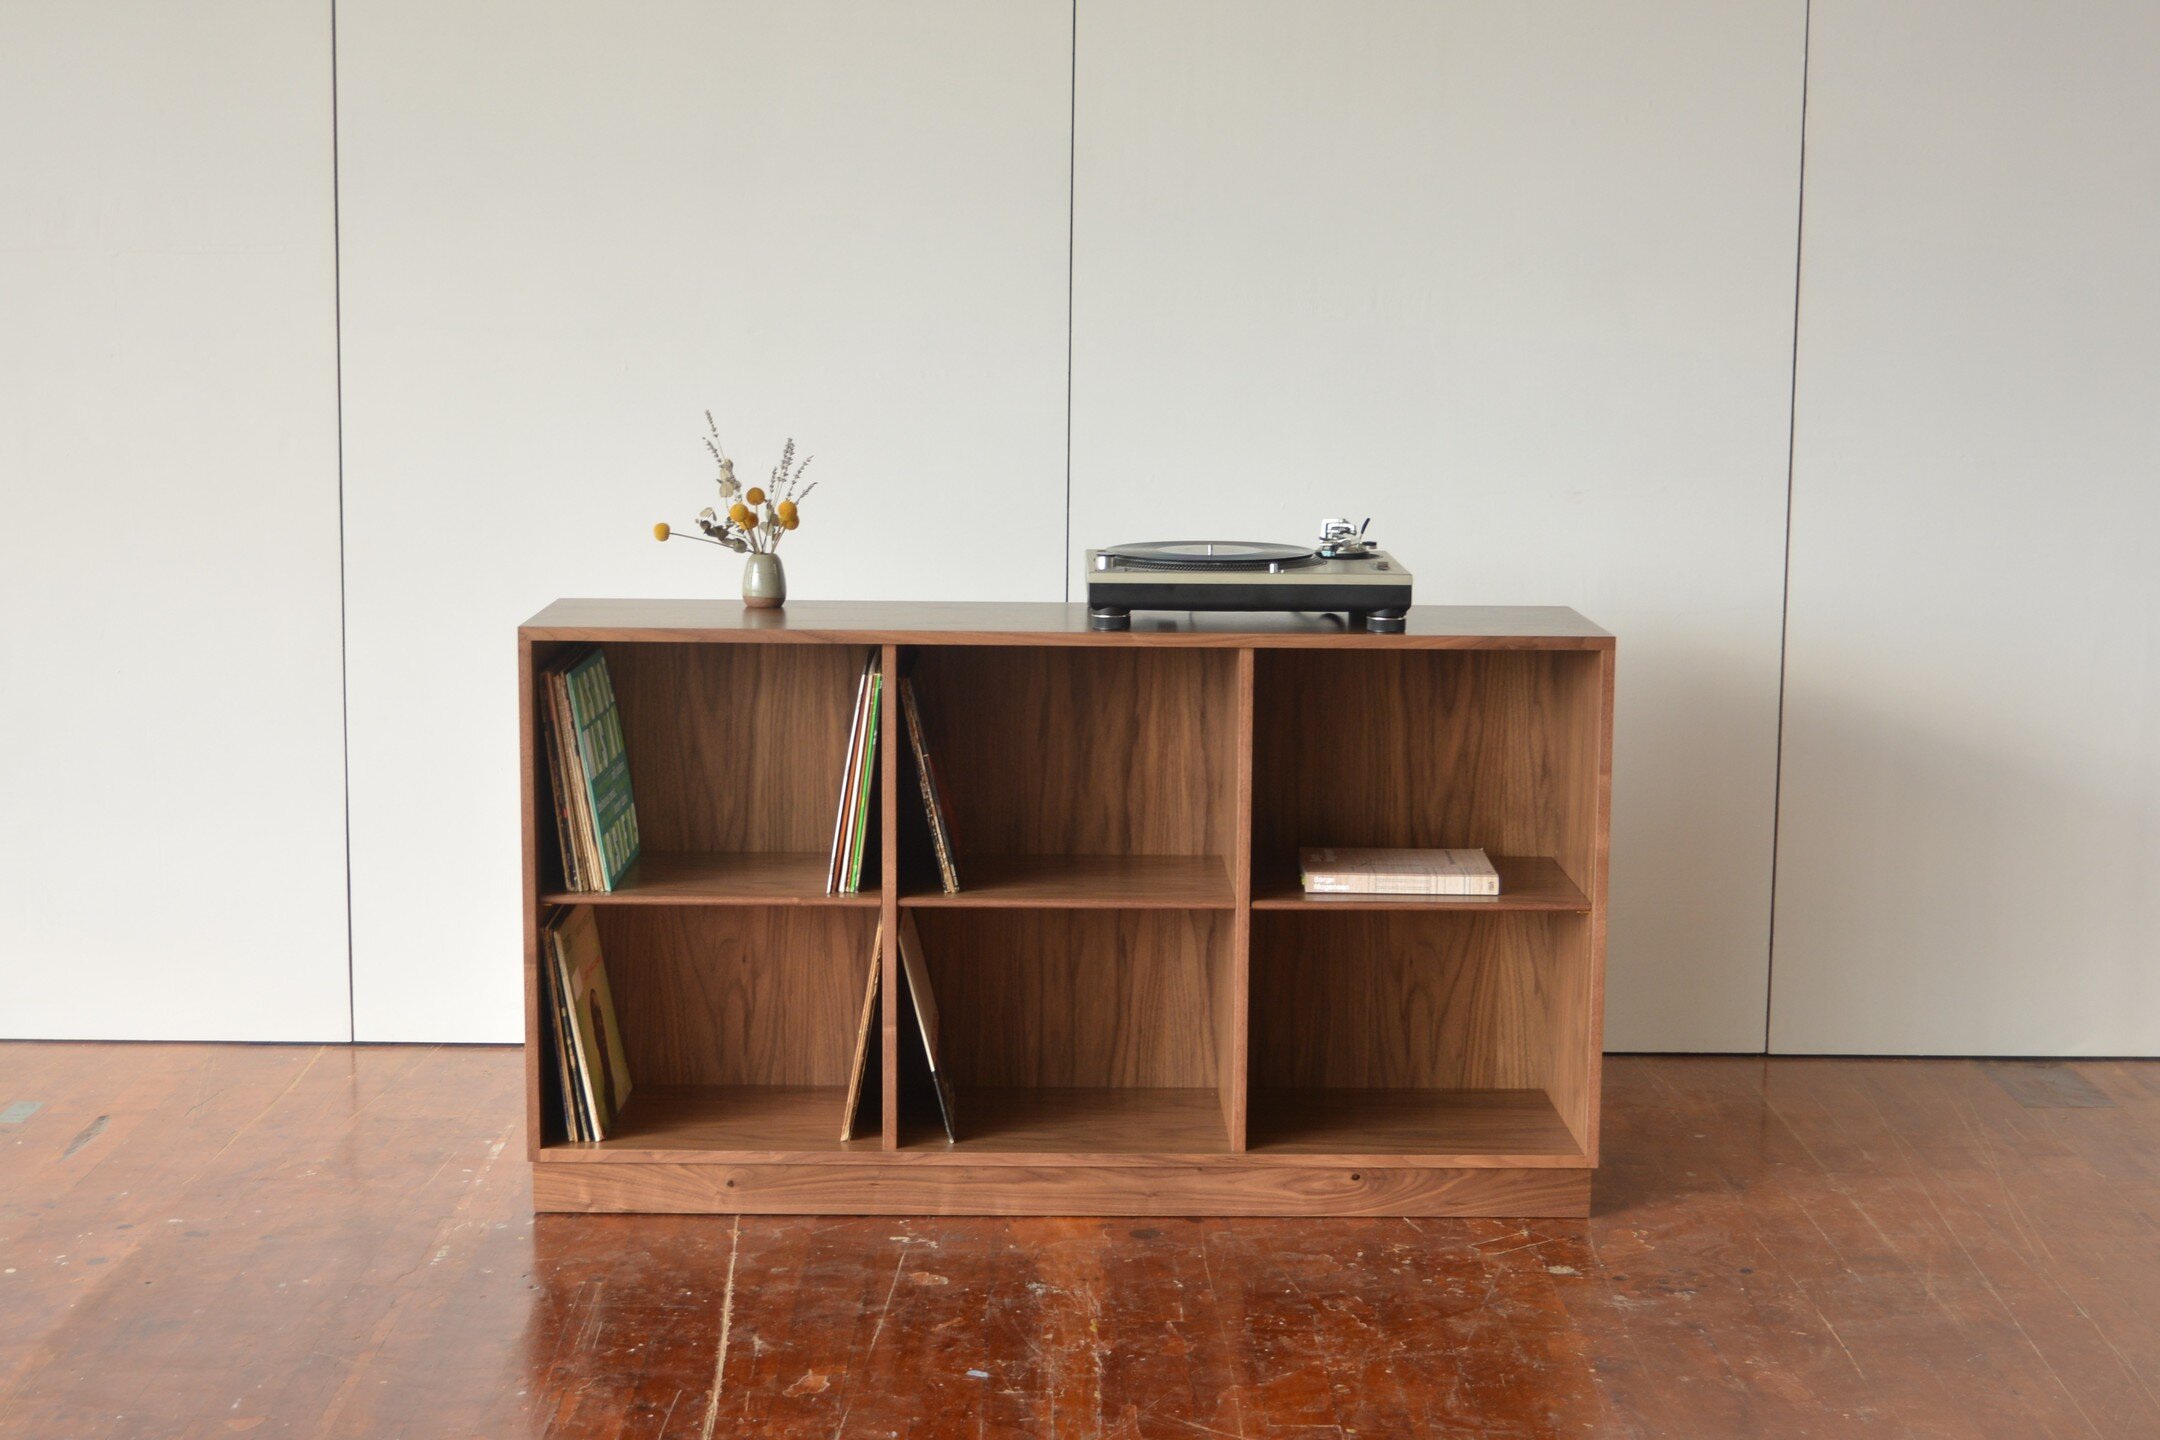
x,y
1345,571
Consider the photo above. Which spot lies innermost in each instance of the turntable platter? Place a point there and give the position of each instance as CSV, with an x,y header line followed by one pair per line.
x,y
1208,554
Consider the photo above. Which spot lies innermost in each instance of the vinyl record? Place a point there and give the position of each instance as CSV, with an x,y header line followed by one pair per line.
x,y
1209,554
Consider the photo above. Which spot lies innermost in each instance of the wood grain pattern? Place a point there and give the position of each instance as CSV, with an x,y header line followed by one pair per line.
x,y
1058,1190
851,622
889,871
1077,997
533,864
780,1123
1075,1123
1383,1000
736,747
1102,882
1442,1127
665,877
1233,982
1119,751
1362,749
755,995
1527,882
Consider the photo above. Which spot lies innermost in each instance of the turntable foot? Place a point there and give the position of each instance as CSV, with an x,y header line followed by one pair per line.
x,y
1109,617
1385,622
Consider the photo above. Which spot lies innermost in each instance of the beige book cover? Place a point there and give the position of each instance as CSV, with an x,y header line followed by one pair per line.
x,y
1327,870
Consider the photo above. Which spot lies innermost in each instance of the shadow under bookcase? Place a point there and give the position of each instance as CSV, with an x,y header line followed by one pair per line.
x,y
1140,1010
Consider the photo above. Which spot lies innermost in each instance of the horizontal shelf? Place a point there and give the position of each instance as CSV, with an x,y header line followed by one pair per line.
x,y
739,1124
1036,1125
1527,882
732,1122
1102,882
1426,1127
711,877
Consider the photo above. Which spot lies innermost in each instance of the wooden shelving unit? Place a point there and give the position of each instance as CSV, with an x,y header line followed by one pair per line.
x,y
1142,1012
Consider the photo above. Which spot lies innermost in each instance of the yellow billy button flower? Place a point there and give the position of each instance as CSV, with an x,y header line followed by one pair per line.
x,y
660,531
740,514
755,496
789,516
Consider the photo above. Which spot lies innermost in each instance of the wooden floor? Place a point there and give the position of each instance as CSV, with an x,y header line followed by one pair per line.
x,y
235,1240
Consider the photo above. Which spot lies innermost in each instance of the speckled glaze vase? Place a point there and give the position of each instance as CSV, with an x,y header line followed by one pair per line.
x,y
764,583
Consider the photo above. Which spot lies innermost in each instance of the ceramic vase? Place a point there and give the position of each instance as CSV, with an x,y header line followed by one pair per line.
x,y
764,583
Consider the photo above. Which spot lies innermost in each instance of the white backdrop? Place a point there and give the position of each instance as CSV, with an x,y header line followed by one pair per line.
x,y
172,859
1517,281
569,228
1970,847
1524,294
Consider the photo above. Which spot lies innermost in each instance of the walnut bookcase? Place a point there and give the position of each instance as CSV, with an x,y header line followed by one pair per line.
x,y
1143,1014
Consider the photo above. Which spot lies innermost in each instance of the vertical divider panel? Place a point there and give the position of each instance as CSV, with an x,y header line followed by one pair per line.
x,y
889,740
530,766
1232,1008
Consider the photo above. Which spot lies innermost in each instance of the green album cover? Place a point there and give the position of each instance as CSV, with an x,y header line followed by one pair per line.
x,y
598,724
862,794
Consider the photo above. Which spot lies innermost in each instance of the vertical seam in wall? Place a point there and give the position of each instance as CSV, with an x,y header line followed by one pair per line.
x,y
1072,179
337,343
1792,430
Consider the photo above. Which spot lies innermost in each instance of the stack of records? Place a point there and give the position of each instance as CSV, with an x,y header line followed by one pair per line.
x,y
595,814
591,1069
851,826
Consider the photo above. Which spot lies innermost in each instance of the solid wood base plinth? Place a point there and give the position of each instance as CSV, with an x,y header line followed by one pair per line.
x,y
1216,1189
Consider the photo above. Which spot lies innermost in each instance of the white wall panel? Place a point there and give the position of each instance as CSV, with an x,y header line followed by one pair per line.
x,y
1970,843
568,228
1517,281
172,862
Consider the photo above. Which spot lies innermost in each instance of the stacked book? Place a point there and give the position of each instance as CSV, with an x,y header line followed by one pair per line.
x,y
851,826
595,814
1455,874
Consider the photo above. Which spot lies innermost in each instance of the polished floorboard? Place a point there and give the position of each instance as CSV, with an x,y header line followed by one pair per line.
x,y
205,1240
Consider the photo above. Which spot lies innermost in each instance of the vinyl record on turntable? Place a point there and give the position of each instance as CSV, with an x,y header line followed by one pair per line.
x,y
1207,554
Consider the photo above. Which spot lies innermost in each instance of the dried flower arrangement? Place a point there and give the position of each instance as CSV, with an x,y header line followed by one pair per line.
x,y
755,519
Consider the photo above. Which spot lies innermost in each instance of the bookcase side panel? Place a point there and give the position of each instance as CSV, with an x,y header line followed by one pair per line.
x,y
533,801
1579,719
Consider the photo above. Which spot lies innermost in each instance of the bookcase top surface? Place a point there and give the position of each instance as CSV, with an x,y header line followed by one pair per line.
x,y
1041,623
